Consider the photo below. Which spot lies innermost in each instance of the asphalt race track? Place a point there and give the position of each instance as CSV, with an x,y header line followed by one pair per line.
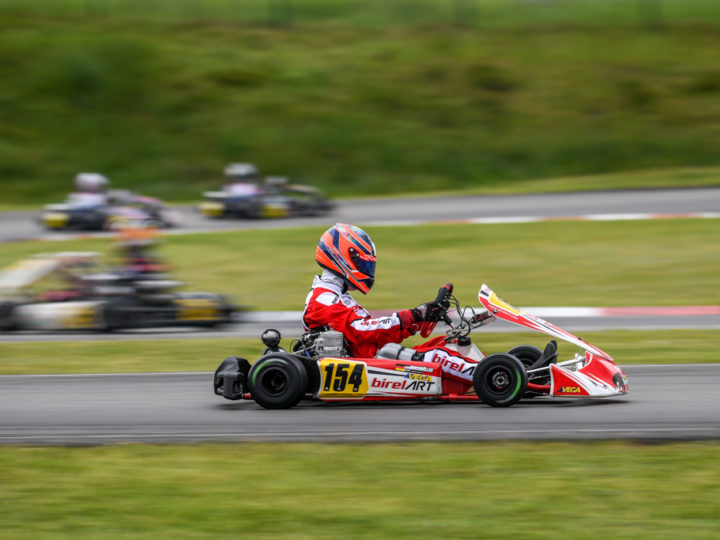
x,y
665,403
22,225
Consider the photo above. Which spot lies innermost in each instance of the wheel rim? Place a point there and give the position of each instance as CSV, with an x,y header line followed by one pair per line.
x,y
499,380
274,382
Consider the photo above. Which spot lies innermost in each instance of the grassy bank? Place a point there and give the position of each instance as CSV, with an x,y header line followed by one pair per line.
x,y
624,263
358,97
460,490
179,355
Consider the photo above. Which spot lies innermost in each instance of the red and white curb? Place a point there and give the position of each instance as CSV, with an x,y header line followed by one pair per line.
x,y
543,312
535,219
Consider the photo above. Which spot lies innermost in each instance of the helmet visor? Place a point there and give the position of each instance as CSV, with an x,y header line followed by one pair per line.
x,y
364,263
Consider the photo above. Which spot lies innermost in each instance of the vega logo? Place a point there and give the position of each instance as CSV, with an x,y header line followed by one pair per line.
x,y
570,390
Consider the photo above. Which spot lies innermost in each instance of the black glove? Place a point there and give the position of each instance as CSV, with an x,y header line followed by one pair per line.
x,y
429,312
435,310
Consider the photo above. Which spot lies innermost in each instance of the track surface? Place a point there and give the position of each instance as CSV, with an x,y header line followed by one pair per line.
x,y
23,225
666,402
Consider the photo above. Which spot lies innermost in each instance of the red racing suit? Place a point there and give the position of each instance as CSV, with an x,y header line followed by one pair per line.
x,y
329,306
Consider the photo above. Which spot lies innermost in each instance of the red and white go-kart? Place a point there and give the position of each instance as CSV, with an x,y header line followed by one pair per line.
x,y
445,368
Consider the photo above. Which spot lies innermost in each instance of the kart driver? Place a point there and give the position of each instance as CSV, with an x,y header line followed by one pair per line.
x,y
136,249
90,190
347,255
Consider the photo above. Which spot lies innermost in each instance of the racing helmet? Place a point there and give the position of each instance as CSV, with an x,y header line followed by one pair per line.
x,y
349,252
91,182
242,172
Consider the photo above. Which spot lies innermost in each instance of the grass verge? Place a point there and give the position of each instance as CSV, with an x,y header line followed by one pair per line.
x,y
358,97
647,347
427,490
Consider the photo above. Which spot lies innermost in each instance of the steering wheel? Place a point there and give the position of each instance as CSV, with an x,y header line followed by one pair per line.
x,y
443,298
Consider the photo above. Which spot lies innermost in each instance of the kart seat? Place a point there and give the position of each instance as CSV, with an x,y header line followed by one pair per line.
x,y
549,356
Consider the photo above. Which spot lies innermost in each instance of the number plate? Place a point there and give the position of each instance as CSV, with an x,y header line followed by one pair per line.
x,y
342,378
80,317
197,309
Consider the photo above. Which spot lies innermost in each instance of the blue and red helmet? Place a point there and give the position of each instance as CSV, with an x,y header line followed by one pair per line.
x,y
349,252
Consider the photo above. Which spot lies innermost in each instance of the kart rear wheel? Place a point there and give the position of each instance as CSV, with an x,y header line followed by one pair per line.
x,y
528,355
277,381
500,380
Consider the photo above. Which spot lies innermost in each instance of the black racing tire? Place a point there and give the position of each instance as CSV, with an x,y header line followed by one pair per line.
x,y
7,320
277,381
527,354
500,380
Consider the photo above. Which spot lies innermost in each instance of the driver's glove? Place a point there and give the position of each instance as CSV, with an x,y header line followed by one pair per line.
x,y
428,312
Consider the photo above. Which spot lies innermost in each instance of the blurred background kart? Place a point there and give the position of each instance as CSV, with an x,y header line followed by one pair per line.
x,y
92,207
70,291
246,195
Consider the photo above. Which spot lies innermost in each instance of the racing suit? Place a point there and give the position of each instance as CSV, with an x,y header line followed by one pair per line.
x,y
329,306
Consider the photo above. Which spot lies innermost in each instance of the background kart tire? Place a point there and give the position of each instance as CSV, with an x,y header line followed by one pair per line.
x,y
500,380
277,381
7,320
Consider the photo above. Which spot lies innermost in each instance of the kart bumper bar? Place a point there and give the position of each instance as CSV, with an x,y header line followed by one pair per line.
x,y
230,379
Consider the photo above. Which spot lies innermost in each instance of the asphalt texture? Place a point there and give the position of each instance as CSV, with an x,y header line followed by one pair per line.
x,y
665,403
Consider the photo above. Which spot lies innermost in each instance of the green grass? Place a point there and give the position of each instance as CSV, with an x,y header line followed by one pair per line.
x,y
181,355
425,490
630,263
357,97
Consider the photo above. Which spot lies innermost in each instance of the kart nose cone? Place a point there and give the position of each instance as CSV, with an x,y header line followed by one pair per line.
x,y
55,220
212,209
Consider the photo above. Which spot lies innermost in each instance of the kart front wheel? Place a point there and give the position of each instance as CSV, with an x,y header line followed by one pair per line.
x,y
500,380
277,381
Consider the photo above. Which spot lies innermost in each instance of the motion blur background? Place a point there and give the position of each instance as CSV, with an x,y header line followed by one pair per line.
x,y
362,98
359,97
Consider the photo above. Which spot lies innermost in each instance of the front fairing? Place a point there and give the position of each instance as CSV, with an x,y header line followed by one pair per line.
x,y
502,310
591,376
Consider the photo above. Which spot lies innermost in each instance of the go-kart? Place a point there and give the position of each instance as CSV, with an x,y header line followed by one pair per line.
x,y
273,198
67,291
318,367
118,209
